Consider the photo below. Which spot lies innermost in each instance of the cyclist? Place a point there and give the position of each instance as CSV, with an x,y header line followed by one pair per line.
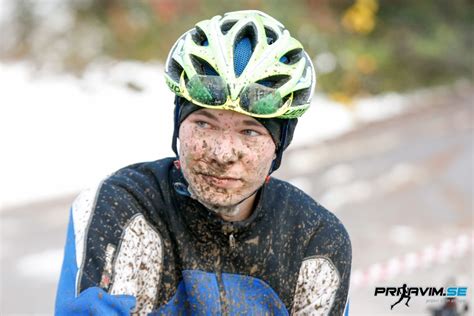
x,y
210,232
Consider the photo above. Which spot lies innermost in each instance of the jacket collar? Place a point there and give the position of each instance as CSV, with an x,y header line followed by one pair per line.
x,y
205,224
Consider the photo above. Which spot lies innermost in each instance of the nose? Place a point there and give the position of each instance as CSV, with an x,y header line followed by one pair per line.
x,y
227,149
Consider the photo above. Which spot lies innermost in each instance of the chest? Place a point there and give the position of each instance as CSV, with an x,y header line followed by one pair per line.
x,y
262,256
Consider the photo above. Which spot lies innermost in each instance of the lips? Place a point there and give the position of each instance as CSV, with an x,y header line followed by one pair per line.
x,y
221,181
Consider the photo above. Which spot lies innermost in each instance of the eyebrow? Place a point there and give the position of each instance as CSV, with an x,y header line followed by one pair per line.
x,y
207,114
252,123
215,118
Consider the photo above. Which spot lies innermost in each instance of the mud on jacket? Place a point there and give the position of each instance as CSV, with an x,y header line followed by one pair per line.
x,y
138,243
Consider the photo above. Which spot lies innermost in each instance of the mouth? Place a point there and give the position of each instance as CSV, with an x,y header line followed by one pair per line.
x,y
221,181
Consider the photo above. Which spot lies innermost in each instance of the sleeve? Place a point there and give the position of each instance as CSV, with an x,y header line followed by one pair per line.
x,y
94,300
323,281
113,255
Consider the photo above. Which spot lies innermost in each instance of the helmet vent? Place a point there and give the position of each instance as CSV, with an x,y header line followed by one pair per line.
x,y
202,67
243,48
271,36
199,37
301,96
227,26
292,57
274,82
174,70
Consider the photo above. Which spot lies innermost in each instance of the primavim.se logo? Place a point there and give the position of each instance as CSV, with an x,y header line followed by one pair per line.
x,y
405,293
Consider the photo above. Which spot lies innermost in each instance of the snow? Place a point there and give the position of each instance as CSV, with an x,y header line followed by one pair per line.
x,y
59,132
44,265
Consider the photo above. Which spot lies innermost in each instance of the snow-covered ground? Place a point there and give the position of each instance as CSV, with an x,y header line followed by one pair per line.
x,y
59,132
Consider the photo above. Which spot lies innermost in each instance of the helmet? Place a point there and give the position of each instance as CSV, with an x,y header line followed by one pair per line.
x,y
245,61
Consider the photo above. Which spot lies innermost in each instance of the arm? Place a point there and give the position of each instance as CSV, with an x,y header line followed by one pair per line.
x,y
323,280
113,256
94,300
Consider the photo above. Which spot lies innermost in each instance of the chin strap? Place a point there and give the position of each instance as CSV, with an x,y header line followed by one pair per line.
x,y
267,179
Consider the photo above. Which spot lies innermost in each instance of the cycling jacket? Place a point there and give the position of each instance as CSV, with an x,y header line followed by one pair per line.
x,y
138,243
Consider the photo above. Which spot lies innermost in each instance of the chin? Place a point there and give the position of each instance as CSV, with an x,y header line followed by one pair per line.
x,y
219,199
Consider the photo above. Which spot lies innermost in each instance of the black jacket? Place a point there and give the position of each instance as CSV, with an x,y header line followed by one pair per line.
x,y
140,233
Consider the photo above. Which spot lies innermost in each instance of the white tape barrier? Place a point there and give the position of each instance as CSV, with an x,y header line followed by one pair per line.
x,y
427,257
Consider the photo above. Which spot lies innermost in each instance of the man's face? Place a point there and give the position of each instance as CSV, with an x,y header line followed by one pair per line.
x,y
225,156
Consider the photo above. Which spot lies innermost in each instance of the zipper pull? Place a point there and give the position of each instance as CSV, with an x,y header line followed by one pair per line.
x,y
232,241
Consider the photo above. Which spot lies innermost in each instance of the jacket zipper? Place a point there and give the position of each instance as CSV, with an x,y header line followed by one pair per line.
x,y
222,294
232,241
220,282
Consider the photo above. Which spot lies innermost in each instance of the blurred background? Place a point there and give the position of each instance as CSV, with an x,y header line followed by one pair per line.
x,y
387,145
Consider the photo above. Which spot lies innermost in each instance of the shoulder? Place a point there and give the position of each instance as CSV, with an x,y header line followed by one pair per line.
x,y
130,196
143,171
306,217
139,179
299,205
137,185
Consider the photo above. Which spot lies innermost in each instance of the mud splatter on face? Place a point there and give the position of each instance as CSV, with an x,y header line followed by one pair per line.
x,y
225,157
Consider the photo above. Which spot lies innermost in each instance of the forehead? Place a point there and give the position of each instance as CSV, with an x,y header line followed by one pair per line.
x,y
226,116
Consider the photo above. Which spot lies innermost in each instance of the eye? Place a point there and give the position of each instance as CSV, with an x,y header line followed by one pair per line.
x,y
251,132
202,124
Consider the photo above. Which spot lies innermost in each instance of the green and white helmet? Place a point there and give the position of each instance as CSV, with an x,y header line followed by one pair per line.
x,y
245,61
